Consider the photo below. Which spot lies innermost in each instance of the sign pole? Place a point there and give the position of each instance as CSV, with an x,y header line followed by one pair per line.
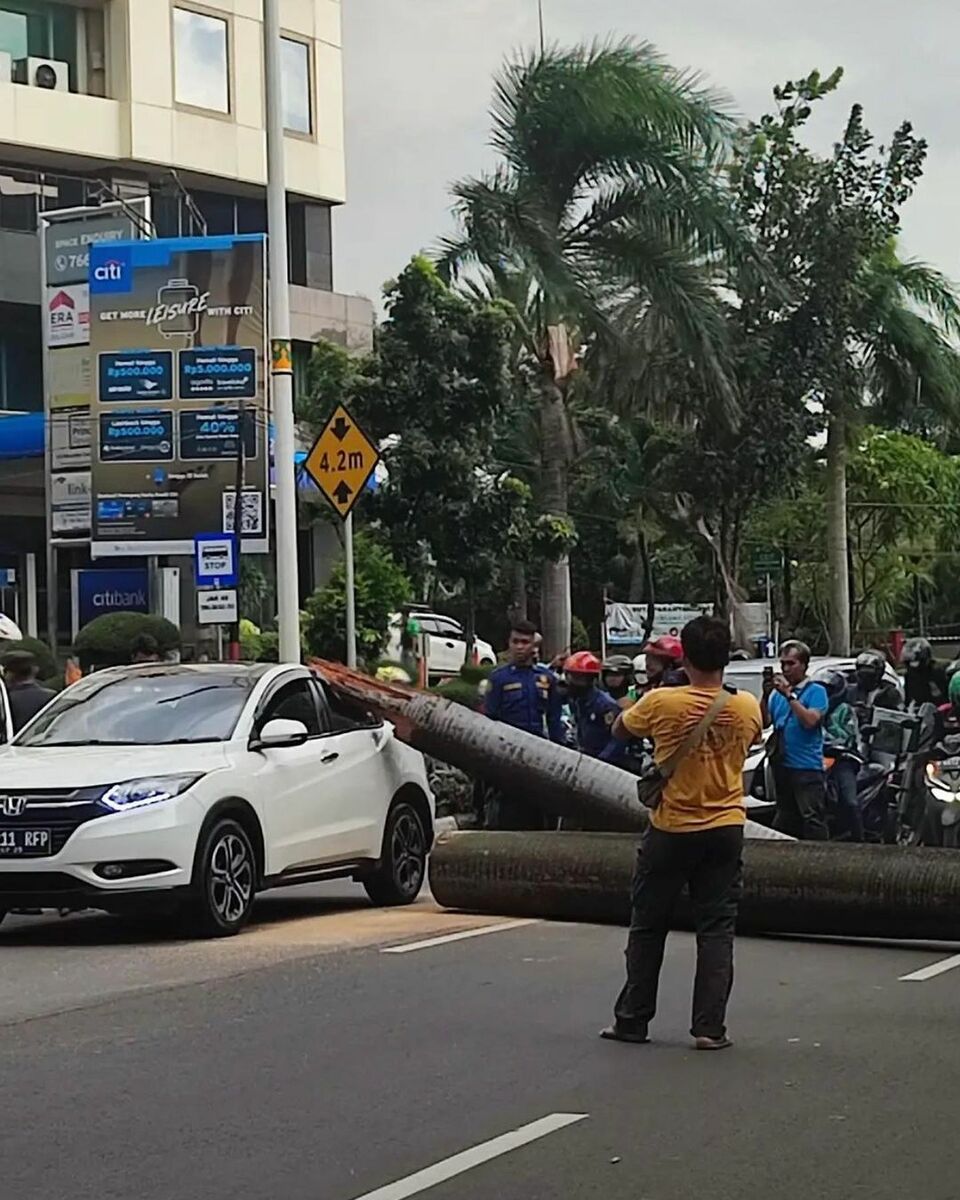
x,y
351,593
288,598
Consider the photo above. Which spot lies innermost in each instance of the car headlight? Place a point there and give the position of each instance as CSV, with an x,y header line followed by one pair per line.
x,y
138,793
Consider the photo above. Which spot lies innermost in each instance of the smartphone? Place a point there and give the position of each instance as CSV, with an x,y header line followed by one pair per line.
x,y
767,674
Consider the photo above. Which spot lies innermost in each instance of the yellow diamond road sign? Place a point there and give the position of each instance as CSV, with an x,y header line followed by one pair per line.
x,y
341,461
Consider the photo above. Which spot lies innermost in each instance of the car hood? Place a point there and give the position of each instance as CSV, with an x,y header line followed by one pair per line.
x,y
27,767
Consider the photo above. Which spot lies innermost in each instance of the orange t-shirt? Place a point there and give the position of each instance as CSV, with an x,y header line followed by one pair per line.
x,y
706,790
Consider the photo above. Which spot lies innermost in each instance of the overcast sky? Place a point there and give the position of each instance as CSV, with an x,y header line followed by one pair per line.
x,y
418,83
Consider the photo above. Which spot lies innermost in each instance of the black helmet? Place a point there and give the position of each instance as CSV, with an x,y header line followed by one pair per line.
x,y
870,667
917,652
617,664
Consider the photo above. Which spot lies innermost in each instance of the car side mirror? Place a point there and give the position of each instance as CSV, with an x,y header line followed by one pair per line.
x,y
279,733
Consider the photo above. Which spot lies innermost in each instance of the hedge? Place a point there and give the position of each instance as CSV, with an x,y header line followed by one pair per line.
x,y
106,641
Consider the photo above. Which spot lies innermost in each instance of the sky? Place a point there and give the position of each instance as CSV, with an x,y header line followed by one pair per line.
x,y
418,81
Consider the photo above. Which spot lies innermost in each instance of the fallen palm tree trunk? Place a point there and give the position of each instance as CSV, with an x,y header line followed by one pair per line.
x,y
799,887
561,782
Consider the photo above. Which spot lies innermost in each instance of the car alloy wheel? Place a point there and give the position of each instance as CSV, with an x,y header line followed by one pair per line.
x,y
231,877
402,869
408,852
224,881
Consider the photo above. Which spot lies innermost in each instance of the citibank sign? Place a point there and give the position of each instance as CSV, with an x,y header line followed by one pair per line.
x,y
96,593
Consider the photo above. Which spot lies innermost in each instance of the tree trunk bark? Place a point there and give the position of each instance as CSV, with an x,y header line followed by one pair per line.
x,y
837,557
518,592
471,637
555,602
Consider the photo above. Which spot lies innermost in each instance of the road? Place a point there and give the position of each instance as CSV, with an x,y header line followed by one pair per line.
x,y
301,1060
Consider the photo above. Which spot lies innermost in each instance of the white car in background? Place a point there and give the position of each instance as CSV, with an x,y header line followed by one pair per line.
x,y
447,646
187,789
747,676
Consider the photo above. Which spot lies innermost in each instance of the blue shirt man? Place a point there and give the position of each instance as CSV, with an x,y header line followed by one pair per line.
x,y
796,707
523,694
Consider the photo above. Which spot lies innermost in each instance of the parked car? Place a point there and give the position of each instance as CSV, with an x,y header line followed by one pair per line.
x,y
447,648
188,789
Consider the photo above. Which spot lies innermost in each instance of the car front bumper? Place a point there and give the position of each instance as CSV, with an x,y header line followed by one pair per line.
x,y
153,848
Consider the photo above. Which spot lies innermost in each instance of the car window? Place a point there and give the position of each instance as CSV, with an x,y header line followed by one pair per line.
x,y
293,702
427,625
145,707
449,629
339,714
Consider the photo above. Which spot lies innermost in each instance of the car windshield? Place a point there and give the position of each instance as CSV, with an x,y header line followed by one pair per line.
x,y
142,708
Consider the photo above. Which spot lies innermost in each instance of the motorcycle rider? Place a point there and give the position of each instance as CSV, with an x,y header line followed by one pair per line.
x,y
663,658
871,689
618,680
842,737
926,680
593,711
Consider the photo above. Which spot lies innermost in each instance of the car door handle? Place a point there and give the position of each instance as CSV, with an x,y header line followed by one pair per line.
x,y
451,646
331,757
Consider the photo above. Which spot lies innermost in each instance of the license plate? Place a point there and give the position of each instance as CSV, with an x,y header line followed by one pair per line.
x,y
26,843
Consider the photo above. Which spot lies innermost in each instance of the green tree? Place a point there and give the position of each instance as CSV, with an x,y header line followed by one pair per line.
x,y
862,330
605,197
434,396
381,587
903,502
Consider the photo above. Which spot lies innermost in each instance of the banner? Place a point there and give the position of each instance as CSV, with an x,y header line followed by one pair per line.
x,y
66,240
177,334
625,621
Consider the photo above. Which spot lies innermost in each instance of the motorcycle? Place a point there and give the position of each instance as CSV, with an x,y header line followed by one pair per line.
x,y
876,795
941,825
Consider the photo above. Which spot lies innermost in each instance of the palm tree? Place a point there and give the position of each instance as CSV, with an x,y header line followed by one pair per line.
x,y
906,314
606,198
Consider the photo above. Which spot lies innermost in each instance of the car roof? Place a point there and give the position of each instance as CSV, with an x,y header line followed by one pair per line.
x,y
254,671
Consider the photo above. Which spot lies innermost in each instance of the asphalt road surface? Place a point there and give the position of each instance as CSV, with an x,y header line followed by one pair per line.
x,y
305,1060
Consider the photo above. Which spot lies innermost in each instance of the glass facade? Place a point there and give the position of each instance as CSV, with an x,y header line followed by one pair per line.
x,y
202,68
21,358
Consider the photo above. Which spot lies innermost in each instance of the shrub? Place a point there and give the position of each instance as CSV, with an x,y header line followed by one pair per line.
x,y
251,641
106,641
460,691
579,637
46,663
381,588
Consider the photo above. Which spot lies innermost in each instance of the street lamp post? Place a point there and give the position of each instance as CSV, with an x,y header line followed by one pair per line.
x,y
281,365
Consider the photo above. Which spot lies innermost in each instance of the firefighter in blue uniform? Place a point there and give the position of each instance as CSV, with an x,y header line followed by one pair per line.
x,y
594,711
524,695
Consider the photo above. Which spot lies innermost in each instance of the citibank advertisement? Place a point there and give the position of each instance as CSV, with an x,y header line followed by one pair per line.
x,y
177,340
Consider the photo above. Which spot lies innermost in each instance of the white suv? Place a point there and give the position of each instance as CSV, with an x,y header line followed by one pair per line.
x,y
189,789
447,643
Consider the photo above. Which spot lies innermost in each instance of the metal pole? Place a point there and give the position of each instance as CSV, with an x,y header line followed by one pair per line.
x,y
769,606
540,18
234,650
351,593
288,600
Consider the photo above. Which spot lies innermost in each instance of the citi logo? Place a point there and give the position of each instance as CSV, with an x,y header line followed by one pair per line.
x,y
109,272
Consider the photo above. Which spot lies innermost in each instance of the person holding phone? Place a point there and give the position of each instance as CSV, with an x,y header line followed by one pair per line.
x,y
796,707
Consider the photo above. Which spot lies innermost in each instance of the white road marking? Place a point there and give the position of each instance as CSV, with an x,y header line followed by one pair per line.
x,y
466,1160
937,968
409,947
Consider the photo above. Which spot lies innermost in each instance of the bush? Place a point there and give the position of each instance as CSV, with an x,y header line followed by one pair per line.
x,y
476,675
106,641
460,691
579,637
251,641
381,588
269,647
46,663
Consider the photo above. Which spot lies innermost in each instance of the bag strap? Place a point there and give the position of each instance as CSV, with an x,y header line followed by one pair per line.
x,y
696,735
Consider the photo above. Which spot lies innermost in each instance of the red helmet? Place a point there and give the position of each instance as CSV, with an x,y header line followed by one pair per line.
x,y
667,646
584,662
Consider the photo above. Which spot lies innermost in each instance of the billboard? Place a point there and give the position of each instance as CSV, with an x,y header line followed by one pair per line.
x,y
66,240
177,339
96,593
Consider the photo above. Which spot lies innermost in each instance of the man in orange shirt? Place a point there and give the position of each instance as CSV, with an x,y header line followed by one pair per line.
x,y
695,836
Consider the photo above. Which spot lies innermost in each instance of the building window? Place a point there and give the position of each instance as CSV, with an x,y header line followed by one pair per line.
x,y
32,28
297,109
21,355
202,71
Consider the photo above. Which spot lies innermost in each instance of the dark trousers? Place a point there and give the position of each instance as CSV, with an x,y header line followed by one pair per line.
x,y
710,865
843,776
801,799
